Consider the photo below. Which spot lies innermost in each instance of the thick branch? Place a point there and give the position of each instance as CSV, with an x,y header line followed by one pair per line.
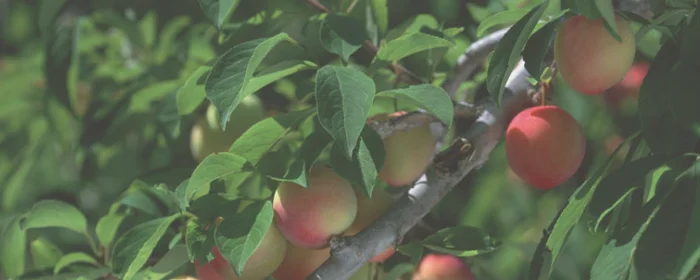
x,y
468,152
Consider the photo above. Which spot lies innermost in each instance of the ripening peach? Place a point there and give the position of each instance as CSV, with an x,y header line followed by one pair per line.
x,y
442,267
628,88
368,211
264,260
544,146
207,136
408,153
309,217
300,262
589,58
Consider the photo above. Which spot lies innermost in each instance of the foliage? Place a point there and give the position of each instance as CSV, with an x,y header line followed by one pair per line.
x,y
99,99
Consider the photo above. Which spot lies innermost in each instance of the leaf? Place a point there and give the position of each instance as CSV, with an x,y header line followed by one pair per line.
x,y
408,44
429,97
13,242
606,9
54,213
73,258
536,48
278,71
261,137
613,186
199,241
380,12
344,97
48,11
218,11
170,262
507,52
665,102
310,150
461,241
106,228
227,82
414,250
213,167
190,95
44,253
690,252
342,35
134,248
400,271
662,242
569,217
367,159
506,17
239,235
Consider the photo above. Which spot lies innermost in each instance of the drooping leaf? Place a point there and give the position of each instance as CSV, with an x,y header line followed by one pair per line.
x,y
278,71
218,11
462,241
132,250
342,35
190,95
175,258
380,13
367,159
344,97
429,97
54,213
213,167
13,244
536,48
414,250
606,10
408,44
500,18
73,258
227,83
507,52
239,235
308,153
690,252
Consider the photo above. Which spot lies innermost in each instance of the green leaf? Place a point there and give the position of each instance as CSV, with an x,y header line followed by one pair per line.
x,y
342,35
690,252
218,11
461,241
147,27
606,9
612,187
569,217
13,242
380,13
506,17
262,136
507,52
44,253
134,248
429,97
106,228
239,235
414,250
190,95
171,261
367,159
278,71
665,103
213,167
344,97
227,83
661,244
310,150
408,44
199,241
536,48
54,213
400,271
73,258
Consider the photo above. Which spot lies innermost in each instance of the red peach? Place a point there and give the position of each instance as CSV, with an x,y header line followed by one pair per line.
x,y
368,211
264,260
300,262
309,217
589,58
544,146
408,153
442,267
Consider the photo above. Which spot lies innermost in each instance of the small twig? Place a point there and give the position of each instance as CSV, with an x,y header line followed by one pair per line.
x,y
319,6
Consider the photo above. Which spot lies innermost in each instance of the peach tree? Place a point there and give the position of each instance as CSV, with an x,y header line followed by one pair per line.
x,y
349,139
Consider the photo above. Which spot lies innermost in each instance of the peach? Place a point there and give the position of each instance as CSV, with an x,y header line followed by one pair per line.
x,y
407,154
368,211
544,146
442,267
265,260
589,58
309,217
300,262
207,137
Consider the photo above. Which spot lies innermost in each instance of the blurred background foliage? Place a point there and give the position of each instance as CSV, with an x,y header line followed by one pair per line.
x,y
83,133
